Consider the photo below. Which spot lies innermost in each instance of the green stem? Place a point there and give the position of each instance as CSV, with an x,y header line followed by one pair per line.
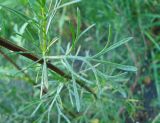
x,y
43,31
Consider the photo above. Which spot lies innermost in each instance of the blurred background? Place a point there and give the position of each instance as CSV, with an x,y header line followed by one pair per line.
x,y
116,19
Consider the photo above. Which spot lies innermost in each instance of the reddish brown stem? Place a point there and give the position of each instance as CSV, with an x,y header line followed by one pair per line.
x,y
24,52
10,60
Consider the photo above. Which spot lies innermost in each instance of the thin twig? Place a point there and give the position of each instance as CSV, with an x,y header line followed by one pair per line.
x,y
10,60
72,114
19,68
24,52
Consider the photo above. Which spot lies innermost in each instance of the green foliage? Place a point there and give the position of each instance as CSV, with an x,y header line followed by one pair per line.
x,y
95,42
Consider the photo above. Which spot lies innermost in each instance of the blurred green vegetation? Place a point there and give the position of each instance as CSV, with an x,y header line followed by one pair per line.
x,y
101,42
